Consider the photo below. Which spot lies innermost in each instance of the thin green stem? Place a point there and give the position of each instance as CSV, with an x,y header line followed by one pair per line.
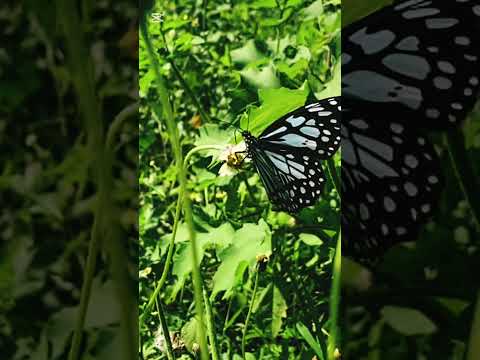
x,y
333,175
86,291
249,314
201,148
118,121
173,132
165,331
203,114
463,171
210,328
250,192
335,300
474,341
176,221
204,15
168,262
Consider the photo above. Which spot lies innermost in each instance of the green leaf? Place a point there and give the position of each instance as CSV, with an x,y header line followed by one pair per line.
x,y
260,297
261,79
174,24
359,9
277,21
472,130
313,11
190,333
268,4
275,104
212,135
293,3
220,238
246,54
146,221
333,87
281,43
408,321
310,239
249,242
308,337
145,81
455,306
279,311
295,71
184,42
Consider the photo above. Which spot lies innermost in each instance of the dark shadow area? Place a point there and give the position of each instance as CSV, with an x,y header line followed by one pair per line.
x,y
68,180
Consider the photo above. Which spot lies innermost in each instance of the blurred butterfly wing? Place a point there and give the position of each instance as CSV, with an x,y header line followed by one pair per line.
x,y
391,182
419,57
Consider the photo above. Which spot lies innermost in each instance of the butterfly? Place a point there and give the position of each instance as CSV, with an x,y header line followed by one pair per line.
x,y
409,68
287,155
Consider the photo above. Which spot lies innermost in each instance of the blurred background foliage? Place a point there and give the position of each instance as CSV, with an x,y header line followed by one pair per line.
x,y
221,61
49,176
419,303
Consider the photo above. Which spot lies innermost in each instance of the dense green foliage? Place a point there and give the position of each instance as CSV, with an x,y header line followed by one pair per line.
x,y
245,63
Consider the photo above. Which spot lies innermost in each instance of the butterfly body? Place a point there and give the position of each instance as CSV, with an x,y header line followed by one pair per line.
x,y
287,155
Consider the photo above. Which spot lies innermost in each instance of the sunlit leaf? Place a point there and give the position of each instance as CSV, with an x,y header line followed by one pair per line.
x,y
246,54
249,242
279,311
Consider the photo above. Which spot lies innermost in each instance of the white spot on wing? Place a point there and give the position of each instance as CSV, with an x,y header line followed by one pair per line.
x,y
310,131
279,130
295,121
296,140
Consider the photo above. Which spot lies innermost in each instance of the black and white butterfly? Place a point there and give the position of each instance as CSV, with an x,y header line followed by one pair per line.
x,y
288,154
407,69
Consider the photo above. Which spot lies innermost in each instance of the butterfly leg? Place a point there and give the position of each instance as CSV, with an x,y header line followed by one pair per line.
x,y
239,164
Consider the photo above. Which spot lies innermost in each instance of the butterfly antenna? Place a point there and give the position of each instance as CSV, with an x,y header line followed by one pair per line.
x,y
229,124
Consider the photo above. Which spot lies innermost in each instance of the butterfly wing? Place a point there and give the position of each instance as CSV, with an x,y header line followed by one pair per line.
x,y
391,181
419,57
292,180
312,129
288,153
410,67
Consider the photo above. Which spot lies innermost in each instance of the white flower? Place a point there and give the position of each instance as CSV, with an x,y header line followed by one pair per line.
x,y
233,157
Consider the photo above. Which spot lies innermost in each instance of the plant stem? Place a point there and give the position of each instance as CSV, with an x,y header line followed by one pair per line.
x,y
210,327
118,121
333,175
168,261
474,341
81,70
464,173
336,276
249,314
186,87
204,14
166,332
176,221
335,300
173,132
